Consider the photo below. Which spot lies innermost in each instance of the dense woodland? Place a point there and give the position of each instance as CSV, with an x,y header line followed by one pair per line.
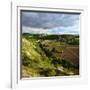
x,y
46,55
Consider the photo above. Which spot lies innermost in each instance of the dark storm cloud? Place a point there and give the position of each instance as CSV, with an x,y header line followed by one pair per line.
x,y
48,20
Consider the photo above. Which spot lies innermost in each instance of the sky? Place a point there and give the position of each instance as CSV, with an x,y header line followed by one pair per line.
x,y
50,23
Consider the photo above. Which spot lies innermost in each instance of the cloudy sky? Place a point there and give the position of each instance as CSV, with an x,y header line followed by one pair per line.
x,y
50,23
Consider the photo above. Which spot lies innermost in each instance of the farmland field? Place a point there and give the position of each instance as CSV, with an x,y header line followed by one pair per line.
x,y
45,55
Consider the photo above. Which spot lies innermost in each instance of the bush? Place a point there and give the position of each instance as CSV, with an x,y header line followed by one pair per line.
x,y
25,61
53,50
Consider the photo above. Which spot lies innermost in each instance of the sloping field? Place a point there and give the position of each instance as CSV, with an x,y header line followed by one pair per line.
x,y
71,53
63,51
44,58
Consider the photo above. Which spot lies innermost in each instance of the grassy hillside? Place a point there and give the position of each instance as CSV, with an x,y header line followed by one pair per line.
x,y
49,55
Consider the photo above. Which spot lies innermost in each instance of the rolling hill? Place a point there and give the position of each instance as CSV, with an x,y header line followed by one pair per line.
x,y
49,55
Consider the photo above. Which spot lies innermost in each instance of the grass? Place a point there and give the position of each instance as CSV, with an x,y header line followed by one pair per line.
x,y
44,56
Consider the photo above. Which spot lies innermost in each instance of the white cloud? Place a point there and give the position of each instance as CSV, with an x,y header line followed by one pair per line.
x,y
58,30
34,30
